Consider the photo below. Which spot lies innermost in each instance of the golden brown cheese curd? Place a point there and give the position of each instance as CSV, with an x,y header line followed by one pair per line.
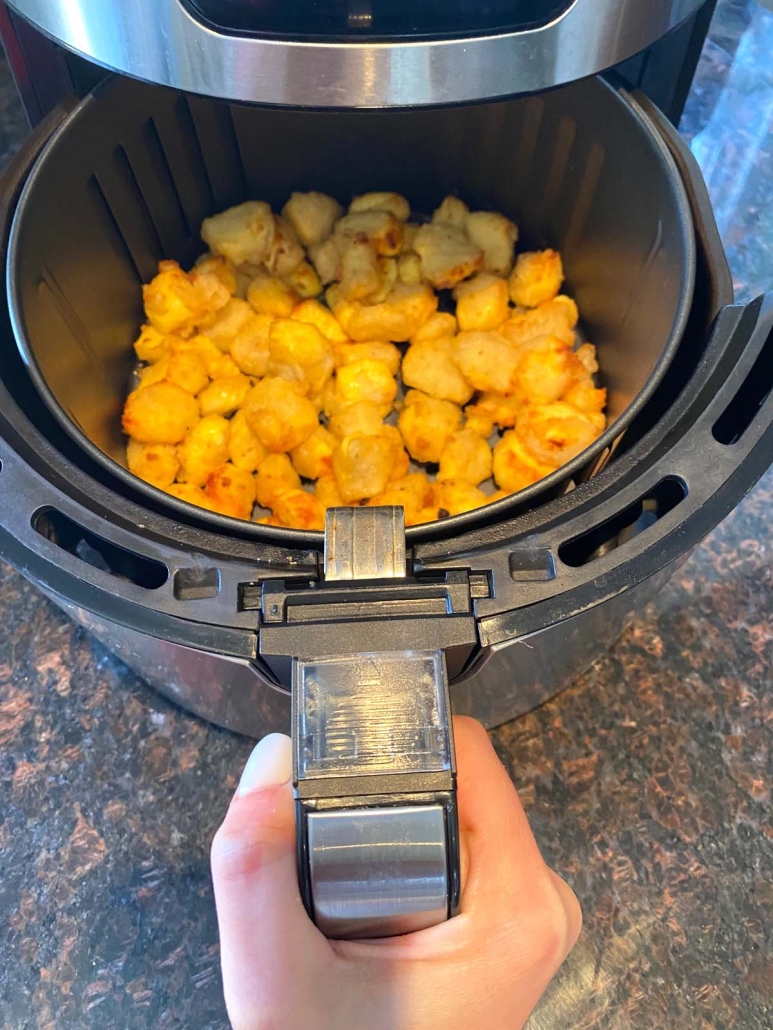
x,y
186,369
270,296
204,449
493,409
299,351
156,463
381,229
314,457
244,448
547,370
312,216
173,303
536,278
426,423
362,465
242,233
447,255
394,320
280,414
479,420
328,494
409,268
440,324
394,203
235,319
285,253
481,302
413,492
556,433
224,396
300,510
584,396
151,345
466,456
220,267
250,348
586,355
377,350
217,364
305,281
557,317
400,458
191,494
455,496
487,361
213,292
275,477
388,269
231,491
515,467
452,211
326,259
496,236
429,366
360,417
365,380
322,318
361,276
161,413
155,373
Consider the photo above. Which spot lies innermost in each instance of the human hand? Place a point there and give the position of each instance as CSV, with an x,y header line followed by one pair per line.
x,y
486,967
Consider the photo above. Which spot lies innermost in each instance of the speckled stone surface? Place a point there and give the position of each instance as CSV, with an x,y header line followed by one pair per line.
x,y
647,782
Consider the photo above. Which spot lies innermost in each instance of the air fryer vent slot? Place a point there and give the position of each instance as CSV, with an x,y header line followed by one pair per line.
x,y
743,408
196,584
532,564
615,532
101,554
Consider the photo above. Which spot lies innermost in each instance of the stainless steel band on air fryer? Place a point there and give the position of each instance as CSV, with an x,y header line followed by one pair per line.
x,y
173,47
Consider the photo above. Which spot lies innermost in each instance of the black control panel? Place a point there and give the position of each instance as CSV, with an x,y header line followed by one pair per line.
x,y
356,20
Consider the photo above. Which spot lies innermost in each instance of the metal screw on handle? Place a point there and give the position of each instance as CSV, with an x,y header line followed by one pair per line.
x,y
374,769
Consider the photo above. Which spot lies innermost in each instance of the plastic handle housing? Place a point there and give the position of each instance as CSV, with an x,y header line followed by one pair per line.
x,y
374,770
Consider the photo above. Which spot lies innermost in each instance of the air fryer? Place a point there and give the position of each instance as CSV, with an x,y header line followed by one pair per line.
x,y
364,641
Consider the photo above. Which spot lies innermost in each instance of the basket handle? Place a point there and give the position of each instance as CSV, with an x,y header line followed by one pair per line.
x,y
373,764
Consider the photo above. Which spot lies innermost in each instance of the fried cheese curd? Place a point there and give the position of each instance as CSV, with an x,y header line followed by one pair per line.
x,y
303,363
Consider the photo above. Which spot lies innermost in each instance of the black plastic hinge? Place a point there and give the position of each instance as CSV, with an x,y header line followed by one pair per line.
x,y
302,618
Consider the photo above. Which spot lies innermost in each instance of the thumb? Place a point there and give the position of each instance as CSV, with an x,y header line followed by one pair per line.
x,y
259,909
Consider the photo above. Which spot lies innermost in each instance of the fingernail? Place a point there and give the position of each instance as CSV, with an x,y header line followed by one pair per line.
x,y
269,764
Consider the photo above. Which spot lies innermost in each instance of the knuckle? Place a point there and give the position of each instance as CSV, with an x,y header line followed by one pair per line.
x,y
237,856
253,835
552,939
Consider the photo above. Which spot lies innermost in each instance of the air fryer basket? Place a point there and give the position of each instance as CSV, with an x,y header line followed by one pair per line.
x,y
134,169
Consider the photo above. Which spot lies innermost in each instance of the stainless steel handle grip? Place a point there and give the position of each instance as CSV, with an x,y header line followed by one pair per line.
x,y
378,872
374,770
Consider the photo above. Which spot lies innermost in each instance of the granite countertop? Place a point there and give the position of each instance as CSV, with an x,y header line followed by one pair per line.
x,y
647,782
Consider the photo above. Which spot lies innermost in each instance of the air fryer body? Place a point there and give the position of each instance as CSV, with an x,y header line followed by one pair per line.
x,y
506,680
531,597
